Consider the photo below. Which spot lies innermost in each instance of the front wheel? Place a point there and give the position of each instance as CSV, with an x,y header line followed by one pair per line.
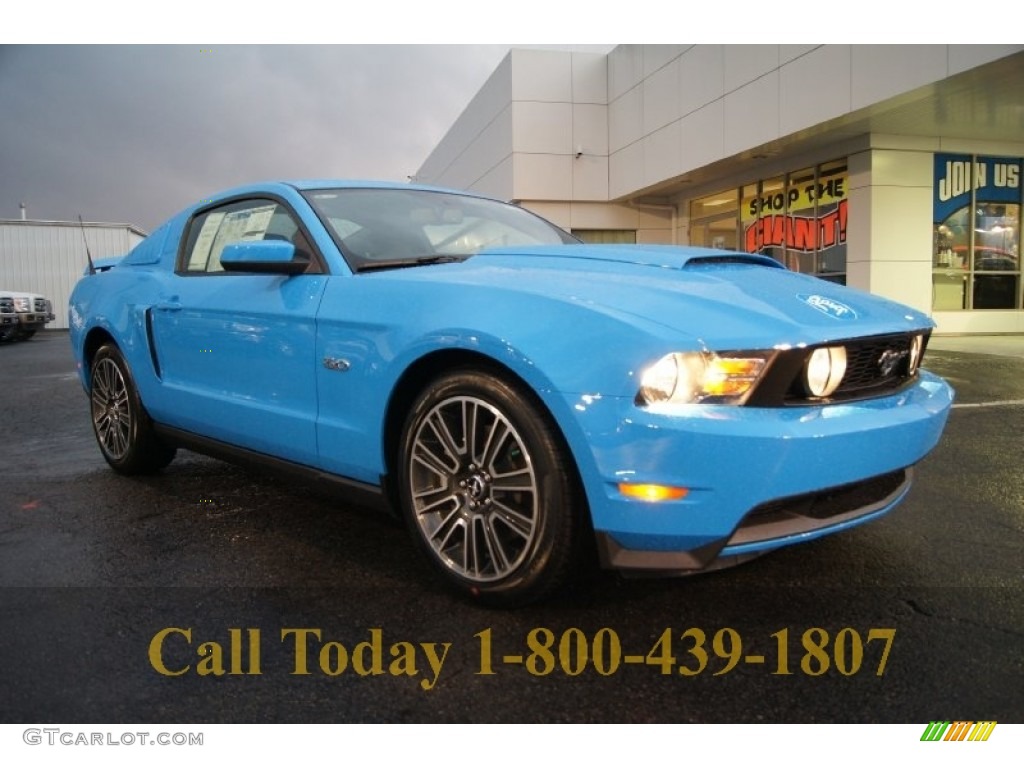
x,y
486,489
122,426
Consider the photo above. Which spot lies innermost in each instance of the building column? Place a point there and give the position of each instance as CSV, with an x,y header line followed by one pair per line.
x,y
889,235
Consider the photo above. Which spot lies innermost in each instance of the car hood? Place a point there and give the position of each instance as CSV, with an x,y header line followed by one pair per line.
x,y
724,299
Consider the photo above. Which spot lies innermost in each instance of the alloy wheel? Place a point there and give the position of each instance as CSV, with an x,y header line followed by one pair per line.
x,y
474,489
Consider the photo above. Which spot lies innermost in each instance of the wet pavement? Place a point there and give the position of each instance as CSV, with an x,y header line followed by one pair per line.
x,y
122,598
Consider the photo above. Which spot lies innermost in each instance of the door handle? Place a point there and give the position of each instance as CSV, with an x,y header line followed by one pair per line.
x,y
169,306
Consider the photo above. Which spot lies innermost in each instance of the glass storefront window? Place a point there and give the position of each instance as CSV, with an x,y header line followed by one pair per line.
x,y
798,218
606,236
976,234
832,204
715,205
996,253
802,237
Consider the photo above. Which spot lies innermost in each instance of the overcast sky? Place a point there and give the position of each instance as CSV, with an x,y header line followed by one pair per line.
x,y
134,133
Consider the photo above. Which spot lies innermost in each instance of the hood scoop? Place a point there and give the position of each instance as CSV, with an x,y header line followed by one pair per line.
x,y
664,256
732,258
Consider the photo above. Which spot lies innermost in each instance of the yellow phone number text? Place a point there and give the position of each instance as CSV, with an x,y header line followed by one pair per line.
x,y
692,652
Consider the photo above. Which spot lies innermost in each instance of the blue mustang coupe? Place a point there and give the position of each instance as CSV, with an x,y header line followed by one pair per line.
x,y
517,395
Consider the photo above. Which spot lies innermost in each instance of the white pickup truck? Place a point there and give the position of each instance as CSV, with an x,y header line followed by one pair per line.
x,y
22,314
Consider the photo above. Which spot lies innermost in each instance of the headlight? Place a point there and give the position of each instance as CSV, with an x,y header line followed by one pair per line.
x,y
916,346
22,304
824,370
701,377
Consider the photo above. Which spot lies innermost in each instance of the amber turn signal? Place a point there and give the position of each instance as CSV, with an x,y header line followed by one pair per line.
x,y
648,492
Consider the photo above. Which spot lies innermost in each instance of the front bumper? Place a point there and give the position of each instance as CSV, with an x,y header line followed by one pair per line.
x,y
757,478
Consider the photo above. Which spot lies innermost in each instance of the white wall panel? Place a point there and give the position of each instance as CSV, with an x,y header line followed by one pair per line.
x,y
626,170
880,72
589,78
590,177
663,153
542,127
788,53
485,151
542,177
625,119
497,182
625,69
488,105
889,236
907,282
701,77
989,321
964,57
746,63
658,56
556,213
590,129
541,75
703,135
752,114
900,228
661,97
814,88
595,216
902,169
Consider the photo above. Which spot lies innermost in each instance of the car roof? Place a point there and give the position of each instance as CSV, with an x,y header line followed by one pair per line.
x,y
303,185
359,183
280,185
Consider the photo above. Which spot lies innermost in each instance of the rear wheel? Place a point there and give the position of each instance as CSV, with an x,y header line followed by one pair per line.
x,y
123,428
486,489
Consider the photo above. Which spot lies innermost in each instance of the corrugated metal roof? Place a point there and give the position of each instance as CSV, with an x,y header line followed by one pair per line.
x,y
48,257
103,224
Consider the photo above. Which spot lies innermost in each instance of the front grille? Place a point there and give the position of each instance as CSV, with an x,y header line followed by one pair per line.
x,y
831,502
797,515
866,368
875,366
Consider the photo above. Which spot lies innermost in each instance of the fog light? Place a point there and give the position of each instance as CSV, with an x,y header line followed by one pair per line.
x,y
824,370
648,492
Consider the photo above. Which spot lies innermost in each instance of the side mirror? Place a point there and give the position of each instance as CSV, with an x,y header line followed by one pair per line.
x,y
274,257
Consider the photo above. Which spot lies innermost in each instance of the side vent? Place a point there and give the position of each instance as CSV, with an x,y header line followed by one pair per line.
x,y
151,342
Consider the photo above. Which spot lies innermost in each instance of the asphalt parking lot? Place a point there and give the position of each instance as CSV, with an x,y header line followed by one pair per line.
x,y
209,593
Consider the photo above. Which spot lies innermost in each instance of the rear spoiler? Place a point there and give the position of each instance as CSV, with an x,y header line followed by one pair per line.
x,y
103,265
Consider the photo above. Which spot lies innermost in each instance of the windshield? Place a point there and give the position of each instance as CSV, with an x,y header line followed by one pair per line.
x,y
390,228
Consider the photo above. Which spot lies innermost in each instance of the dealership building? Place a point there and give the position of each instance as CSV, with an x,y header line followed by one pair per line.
x,y
895,169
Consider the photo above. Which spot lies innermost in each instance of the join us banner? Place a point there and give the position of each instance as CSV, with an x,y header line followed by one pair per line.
x,y
995,180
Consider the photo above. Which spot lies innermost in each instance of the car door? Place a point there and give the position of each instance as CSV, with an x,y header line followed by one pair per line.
x,y
235,351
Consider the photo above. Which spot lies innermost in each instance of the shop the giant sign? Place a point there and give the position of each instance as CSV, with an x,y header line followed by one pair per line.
x,y
803,217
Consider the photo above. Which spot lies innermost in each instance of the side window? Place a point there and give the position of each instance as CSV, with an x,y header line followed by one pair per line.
x,y
238,222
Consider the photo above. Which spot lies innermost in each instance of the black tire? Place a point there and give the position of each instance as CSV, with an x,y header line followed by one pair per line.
x,y
122,427
25,335
487,491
